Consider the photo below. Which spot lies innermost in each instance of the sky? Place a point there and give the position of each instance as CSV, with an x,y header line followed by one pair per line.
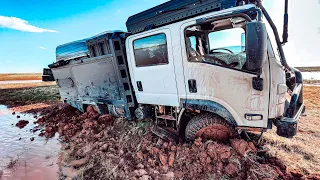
x,y
30,30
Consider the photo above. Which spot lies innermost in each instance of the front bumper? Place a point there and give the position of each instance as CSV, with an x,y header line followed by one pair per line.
x,y
288,126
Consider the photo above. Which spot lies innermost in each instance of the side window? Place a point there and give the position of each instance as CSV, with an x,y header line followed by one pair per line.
x,y
151,50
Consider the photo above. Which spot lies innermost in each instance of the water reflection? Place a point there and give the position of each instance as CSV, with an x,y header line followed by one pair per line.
x,y
21,158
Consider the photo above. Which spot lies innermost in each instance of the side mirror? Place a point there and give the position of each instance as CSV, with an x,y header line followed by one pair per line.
x,y
256,46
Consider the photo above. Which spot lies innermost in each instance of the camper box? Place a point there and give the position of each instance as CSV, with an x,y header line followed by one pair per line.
x,y
94,71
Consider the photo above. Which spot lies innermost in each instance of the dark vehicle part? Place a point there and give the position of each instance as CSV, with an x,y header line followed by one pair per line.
x,y
287,128
225,49
209,106
209,126
143,112
165,134
276,34
166,115
291,111
256,45
285,23
58,64
257,83
47,75
290,80
173,11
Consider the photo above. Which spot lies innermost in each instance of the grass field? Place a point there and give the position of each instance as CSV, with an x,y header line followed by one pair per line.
x,y
20,76
26,85
309,69
29,95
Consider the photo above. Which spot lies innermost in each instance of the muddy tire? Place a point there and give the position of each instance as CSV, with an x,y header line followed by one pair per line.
x,y
209,126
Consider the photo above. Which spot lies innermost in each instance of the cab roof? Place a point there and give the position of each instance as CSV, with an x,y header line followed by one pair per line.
x,y
174,11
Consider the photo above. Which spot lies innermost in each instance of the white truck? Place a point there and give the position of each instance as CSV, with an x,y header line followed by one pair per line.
x,y
204,68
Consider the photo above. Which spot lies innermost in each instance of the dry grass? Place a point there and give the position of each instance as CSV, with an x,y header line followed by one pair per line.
x,y
310,82
26,85
20,76
309,69
302,152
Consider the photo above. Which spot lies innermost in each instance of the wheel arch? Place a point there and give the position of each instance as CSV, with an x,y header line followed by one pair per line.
x,y
207,106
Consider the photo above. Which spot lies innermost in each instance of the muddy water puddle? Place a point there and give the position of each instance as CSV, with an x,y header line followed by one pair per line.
x,y
21,158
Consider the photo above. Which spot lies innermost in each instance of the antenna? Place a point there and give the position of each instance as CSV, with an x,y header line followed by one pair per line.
x,y
285,23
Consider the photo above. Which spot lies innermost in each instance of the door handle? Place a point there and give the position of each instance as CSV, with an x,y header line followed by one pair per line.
x,y
192,85
139,85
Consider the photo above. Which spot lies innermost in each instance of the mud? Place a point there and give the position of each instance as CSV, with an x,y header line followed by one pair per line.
x,y
104,147
22,123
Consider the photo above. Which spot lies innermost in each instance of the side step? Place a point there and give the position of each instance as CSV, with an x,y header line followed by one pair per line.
x,y
165,134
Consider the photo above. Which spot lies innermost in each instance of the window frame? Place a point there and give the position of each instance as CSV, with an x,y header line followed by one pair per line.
x,y
158,64
245,16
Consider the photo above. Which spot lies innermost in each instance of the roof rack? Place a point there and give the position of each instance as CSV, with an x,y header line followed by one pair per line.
x,y
173,11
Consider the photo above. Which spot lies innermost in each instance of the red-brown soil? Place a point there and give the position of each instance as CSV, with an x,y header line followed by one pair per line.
x,y
104,147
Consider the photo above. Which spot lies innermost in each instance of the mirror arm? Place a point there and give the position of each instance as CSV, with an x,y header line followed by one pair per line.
x,y
276,34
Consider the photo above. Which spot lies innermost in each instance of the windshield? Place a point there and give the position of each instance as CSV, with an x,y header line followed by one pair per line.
x,y
219,42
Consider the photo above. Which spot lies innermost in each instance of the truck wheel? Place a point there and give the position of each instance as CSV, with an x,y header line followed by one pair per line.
x,y
209,126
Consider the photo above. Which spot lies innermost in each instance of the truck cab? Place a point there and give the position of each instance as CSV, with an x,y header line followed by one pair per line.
x,y
203,64
200,68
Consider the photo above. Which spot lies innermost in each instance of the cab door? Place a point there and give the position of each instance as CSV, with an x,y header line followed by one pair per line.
x,y
225,82
152,67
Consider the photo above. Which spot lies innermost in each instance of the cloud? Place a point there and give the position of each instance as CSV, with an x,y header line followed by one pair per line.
x,y
21,25
41,47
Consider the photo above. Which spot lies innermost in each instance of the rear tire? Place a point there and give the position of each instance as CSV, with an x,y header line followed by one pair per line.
x,y
209,126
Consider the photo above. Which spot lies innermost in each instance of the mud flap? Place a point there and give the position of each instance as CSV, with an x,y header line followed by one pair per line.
x,y
287,128
164,134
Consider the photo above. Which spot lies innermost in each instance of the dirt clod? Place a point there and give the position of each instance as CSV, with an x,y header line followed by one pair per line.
x,y
140,172
70,172
231,169
241,146
22,123
77,163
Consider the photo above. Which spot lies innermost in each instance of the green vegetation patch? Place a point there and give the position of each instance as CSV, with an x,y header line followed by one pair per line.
x,y
24,96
